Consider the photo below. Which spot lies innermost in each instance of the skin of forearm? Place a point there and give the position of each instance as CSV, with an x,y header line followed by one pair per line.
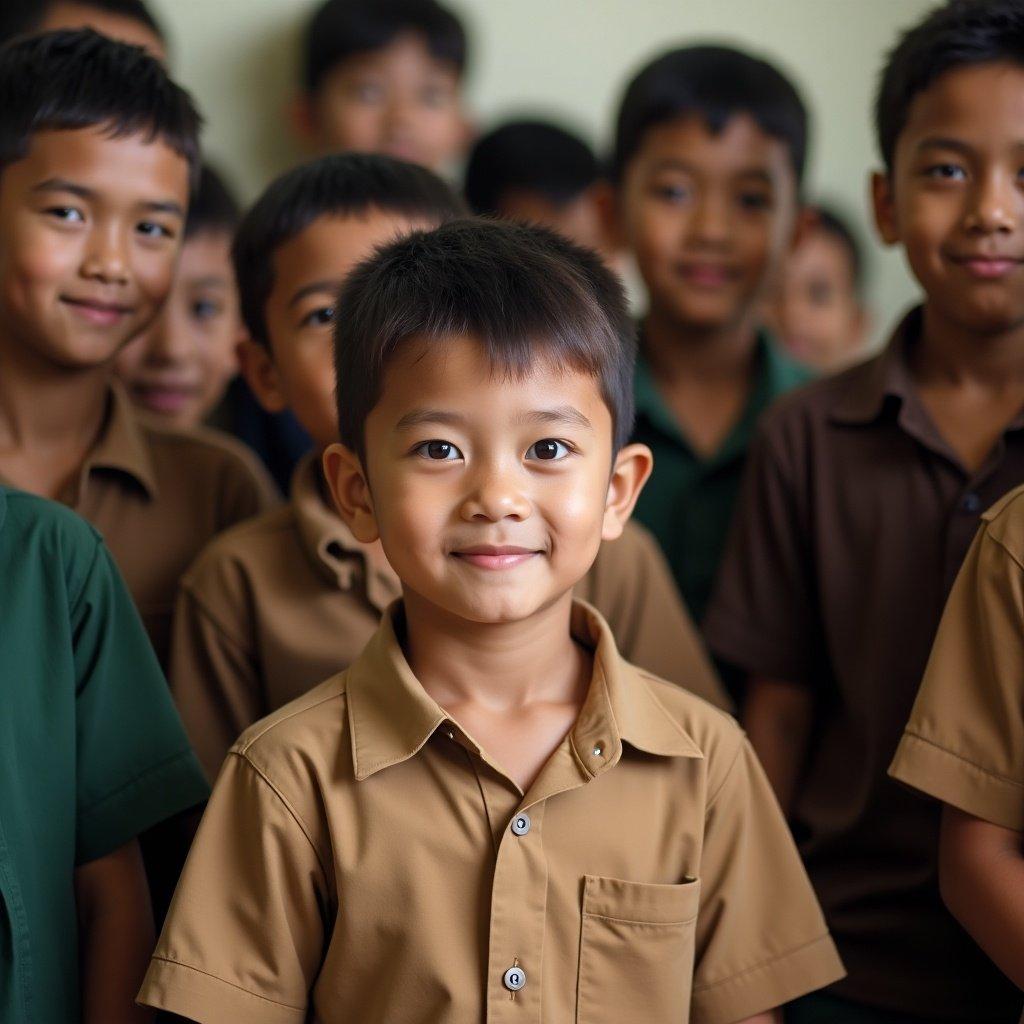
x,y
116,936
981,873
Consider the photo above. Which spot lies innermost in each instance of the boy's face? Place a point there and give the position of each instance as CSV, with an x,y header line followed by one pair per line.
x,y
955,196
179,369
709,217
89,233
817,313
490,494
71,15
399,101
309,270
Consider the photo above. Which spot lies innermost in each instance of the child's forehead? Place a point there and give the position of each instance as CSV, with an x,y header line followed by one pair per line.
x,y
408,50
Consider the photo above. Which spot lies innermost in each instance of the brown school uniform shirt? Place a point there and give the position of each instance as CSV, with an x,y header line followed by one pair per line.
x,y
964,743
158,496
853,522
280,603
362,859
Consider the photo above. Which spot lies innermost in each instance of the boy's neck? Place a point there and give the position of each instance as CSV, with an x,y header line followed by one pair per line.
x,y
678,352
49,418
502,667
948,354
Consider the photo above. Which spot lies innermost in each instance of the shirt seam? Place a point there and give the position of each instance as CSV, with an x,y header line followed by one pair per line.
x,y
728,775
1009,554
87,576
303,828
206,974
761,964
966,760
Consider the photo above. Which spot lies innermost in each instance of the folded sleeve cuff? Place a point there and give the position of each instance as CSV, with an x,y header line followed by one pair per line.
x,y
162,791
769,984
178,988
958,782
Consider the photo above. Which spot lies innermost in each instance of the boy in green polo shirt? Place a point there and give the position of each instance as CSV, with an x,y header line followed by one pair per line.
x,y
709,153
91,754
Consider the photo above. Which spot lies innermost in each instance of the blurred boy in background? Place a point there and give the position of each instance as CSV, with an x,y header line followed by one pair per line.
x,y
128,20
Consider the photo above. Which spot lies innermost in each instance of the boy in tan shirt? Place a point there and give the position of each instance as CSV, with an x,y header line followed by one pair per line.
x,y
281,602
490,815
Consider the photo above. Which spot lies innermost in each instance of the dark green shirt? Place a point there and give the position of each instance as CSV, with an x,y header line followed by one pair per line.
x,y
688,502
91,748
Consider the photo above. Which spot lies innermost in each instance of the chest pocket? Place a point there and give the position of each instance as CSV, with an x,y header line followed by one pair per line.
x,y
636,951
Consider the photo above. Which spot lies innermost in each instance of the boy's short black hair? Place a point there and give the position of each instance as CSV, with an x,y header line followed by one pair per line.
x,y
835,225
532,156
717,83
79,79
212,206
523,291
339,185
960,33
23,17
347,28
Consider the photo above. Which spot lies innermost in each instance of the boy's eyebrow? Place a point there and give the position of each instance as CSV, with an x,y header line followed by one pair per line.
x,y
671,163
944,142
326,285
84,192
558,414
418,417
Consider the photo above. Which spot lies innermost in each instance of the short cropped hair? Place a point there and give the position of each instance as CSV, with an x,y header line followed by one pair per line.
x,y
835,225
341,29
339,185
79,79
212,206
717,83
524,292
961,33
532,156
24,17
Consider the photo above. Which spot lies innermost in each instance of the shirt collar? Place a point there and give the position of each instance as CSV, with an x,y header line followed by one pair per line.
x,y
391,716
330,545
121,448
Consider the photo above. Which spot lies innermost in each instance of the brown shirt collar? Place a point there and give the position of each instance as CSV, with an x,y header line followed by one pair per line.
x,y
391,716
329,543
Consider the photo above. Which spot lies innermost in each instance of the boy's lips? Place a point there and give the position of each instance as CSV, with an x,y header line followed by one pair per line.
x,y
706,275
165,398
104,314
486,556
988,267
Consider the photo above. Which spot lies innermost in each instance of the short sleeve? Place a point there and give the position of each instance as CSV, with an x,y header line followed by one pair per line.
x,y
762,618
964,743
213,675
631,585
244,937
135,767
761,937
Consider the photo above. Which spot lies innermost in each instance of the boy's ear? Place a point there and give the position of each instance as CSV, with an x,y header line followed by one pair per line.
x,y
807,219
884,203
350,490
261,374
632,467
606,199
302,118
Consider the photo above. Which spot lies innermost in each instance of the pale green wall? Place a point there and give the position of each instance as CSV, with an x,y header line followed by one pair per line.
x,y
566,57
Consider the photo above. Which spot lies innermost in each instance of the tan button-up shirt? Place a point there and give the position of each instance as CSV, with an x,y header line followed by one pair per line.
x,y
158,496
964,743
280,603
362,859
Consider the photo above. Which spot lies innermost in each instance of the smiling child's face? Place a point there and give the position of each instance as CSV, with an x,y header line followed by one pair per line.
x,y
490,494
90,228
955,196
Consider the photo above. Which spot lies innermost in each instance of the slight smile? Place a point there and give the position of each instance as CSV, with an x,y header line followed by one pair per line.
x,y
485,556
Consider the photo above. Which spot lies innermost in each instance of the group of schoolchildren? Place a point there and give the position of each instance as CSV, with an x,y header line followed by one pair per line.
x,y
467,726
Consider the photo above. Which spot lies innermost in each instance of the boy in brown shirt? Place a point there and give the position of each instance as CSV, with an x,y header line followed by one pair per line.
x,y
97,146
489,815
861,500
964,744
279,603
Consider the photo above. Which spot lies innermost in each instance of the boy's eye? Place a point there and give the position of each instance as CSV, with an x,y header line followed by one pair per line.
x,y
150,229
435,96
548,450
206,309
368,92
68,214
755,200
676,193
946,172
322,316
438,451
819,293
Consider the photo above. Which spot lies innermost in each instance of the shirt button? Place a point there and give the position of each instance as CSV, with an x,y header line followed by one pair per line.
x,y
598,750
521,824
515,979
971,503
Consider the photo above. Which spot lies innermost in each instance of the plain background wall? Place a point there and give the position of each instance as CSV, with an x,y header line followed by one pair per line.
x,y
569,59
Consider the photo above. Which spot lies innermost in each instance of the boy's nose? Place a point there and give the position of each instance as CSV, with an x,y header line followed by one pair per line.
x,y
496,496
995,205
710,220
106,260
168,343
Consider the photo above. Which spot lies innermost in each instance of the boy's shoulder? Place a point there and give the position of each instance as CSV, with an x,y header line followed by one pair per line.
x,y
1004,523
22,513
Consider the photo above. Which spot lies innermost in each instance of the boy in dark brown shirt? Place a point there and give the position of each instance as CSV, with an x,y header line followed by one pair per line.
x,y
861,500
277,604
97,146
